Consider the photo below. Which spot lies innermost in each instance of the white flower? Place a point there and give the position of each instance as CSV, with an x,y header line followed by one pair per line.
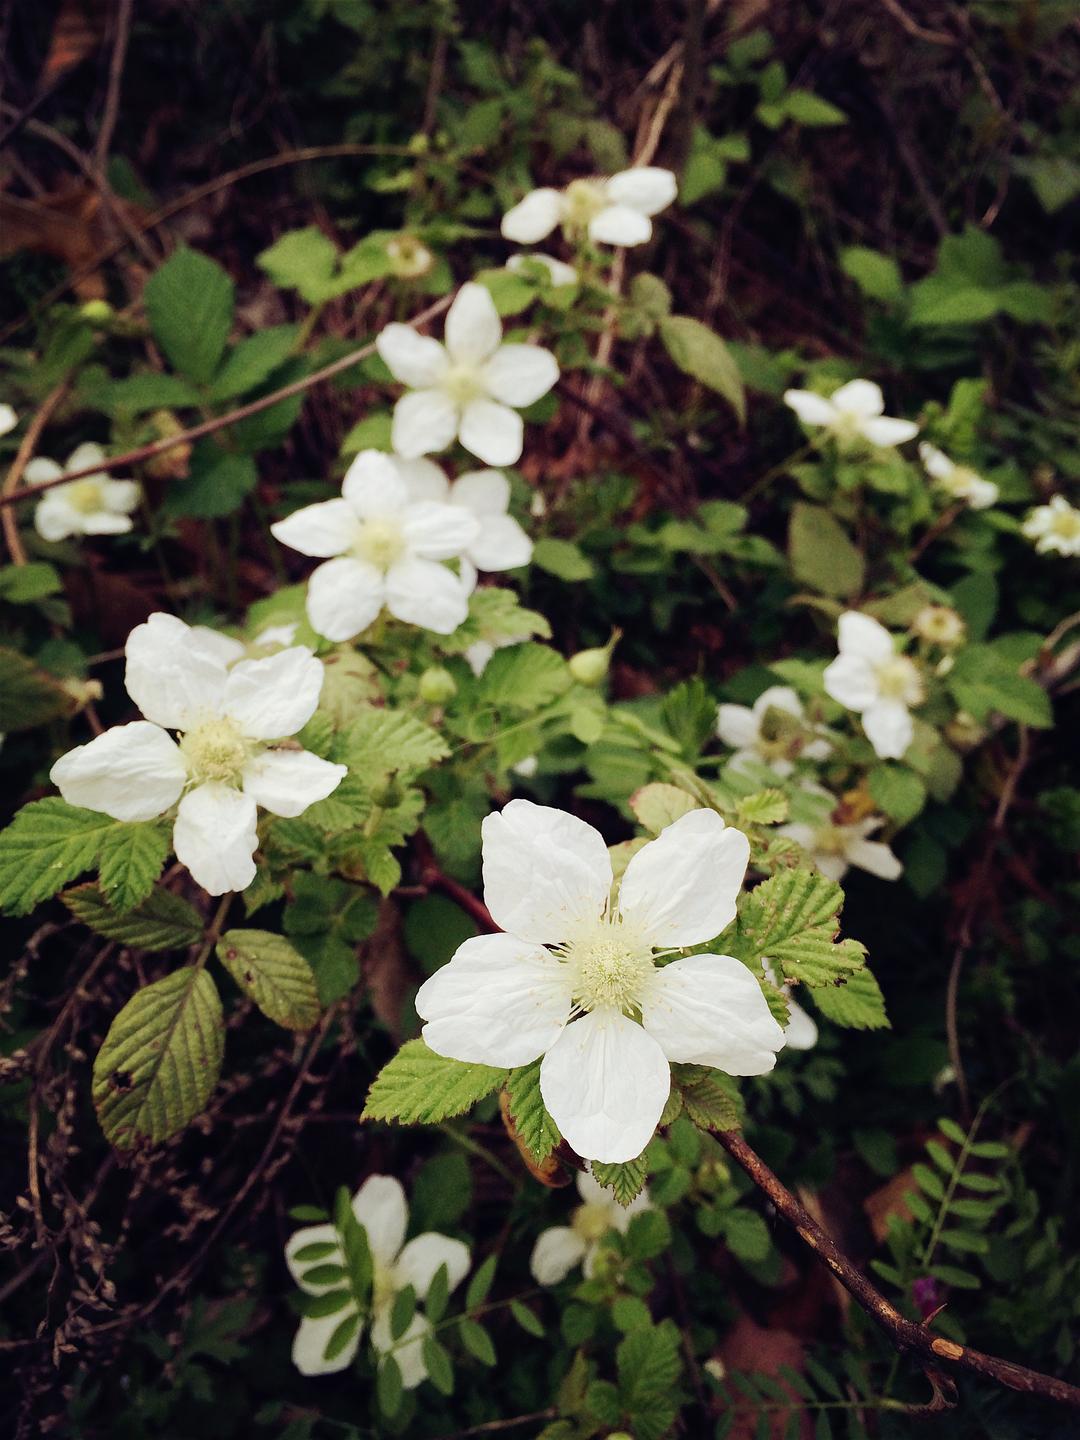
x,y
1054,527
613,211
8,418
560,1248
95,505
224,764
409,256
279,635
470,388
570,955
959,481
868,676
480,652
801,1032
834,847
940,625
558,271
764,732
851,413
485,494
380,1207
385,549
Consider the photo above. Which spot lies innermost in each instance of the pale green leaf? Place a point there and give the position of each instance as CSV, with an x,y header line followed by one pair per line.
x,y
535,1127
700,353
821,554
160,922
274,974
420,1087
47,844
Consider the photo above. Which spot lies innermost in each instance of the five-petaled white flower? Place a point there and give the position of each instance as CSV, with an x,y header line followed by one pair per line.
x,y
501,543
574,978
958,481
561,1247
386,549
854,412
470,389
615,211
868,676
800,1032
95,505
833,847
559,273
773,731
224,763
1054,527
381,1209
9,419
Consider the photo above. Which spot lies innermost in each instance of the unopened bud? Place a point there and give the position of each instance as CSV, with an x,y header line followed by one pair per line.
x,y
964,731
83,692
437,685
98,312
590,667
409,257
940,625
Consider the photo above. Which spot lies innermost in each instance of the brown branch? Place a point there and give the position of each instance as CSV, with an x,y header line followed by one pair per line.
x,y
23,455
908,1337
219,422
111,112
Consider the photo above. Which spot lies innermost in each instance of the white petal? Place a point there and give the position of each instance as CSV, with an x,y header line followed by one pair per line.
x,y
862,635
534,217
884,430
425,593
40,470
501,545
275,696
312,1338
131,772
83,456
851,682
889,728
484,492
518,375
8,420
492,433
438,532
555,1254
500,1001
103,522
982,493
859,397
215,837
381,1208
55,518
801,1032
646,188
227,649
286,782
833,867
681,888
120,496
478,656
407,1350
344,596
172,674
473,327
546,873
320,530
424,480
560,272
620,225
709,1010
374,485
737,726
415,360
810,408
313,1235
605,1083
935,462
779,697
421,1258
875,858
425,421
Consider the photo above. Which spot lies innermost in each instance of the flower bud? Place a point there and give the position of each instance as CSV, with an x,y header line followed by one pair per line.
x,y
98,312
590,667
409,257
940,625
964,731
437,685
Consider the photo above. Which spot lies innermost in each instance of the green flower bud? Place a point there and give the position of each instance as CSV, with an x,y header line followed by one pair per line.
x,y
437,685
590,667
97,311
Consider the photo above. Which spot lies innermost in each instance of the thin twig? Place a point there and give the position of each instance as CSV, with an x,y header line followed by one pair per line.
x,y
111,112
18,465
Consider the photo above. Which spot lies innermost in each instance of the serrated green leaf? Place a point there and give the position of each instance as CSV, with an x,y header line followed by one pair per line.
x,y
160,922
854,1001
253,361
658,805
535,1127
381,742
746,1235
131,859
274,974
648,1369
47,844
625,1179
523,677
709,1098
792,920
189,303
29,696
764,807
160,1060
899,792
420,1087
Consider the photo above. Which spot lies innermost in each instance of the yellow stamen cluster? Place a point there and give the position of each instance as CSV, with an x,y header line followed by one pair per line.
x,y
380,543
215,751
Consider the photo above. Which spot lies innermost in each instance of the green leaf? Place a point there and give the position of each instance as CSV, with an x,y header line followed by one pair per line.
x,y
764,807
304,260
792,919
854,1001
625,1179
563,559
253,361
401,1311
648,1369
342,1335
160,1060
658,805
876,275
535,1127
379,742
527,1319
26,584
136,393
983,681
439,1366
523,677
481,1283
131,859
478,1342
709,1098
274,974
47,844
29,696
746,1235
389,1390
160,922
438,1294
700,353
420,1087
189,303
821,554
899,792
219,482
806,108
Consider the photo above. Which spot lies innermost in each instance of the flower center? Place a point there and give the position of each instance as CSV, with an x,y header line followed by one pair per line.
x,y
830,840
898,679
583,201
962,481
84,496
609,968
590,1222
1066,523
215,750
463,383
940,625
380,543
408,257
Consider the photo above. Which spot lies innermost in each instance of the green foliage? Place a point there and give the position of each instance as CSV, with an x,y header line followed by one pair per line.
x,y
626,1179
420,1087
189,302
29,696
792,919
534,1126
273,974
822,556
700,353
162,921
